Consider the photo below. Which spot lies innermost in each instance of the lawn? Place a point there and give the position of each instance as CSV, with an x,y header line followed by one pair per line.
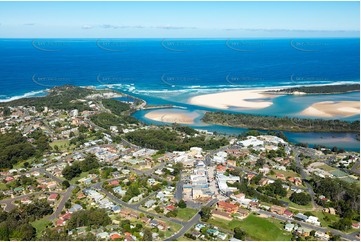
x,y
3,186
296,206
286,173
174,227
257,228
326,219
62,144
186,213
326,168
40,225
77,178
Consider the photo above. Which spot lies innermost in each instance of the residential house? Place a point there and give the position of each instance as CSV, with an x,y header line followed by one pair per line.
x,y
227,207
289,227
53,197
278,209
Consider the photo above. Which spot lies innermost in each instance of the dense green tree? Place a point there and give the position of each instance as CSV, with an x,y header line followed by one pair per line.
x,y
239,233
280,123
206,213
90,162
65,184
93,217
182,204
69,172
147,235
14,148
343,224
300,198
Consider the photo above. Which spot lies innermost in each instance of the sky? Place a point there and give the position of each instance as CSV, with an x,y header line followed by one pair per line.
x,y
178,19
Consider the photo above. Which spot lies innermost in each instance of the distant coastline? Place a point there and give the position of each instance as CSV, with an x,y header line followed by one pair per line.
x,y
319,89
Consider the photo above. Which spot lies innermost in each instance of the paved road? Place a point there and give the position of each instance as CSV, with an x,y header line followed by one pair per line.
x,y
310,226
189,224
61,205
9,201
304,176
178,194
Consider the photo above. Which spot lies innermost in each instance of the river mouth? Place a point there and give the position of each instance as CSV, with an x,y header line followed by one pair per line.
x,y
191,115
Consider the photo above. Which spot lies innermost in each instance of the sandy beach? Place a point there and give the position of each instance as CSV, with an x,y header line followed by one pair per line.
x,y
171,116
331,109
242,99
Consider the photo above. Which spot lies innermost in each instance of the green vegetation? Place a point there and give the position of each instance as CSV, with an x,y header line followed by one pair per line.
x,y
239,234
274,189
186,213
256,228
249,191
40,225
280,123
105,120
92,217
168,140
185,129
115,106
206,213
14,148
344,197
89,163
326,89
15,225
300,198
58,98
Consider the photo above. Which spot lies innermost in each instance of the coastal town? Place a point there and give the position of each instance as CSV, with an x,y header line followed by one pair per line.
x,y
90,171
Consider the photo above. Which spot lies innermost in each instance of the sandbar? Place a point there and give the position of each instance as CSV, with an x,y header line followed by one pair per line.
x,y
171,116
242,99
331,109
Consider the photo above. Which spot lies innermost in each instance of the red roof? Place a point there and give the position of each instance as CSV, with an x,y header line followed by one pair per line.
x,y
114,183
115,236
221,168
59,222
66,216
170,207
288,213
53,196
227,206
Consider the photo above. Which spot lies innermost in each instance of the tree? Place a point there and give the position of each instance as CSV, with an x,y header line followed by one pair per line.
x,y
335,237
300,198
90,162
343,224
65,184
182,204
205,213
69,172
239,233
147,235
93,217
4,231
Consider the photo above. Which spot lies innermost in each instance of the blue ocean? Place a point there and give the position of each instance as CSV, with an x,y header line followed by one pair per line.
x,y
171,70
